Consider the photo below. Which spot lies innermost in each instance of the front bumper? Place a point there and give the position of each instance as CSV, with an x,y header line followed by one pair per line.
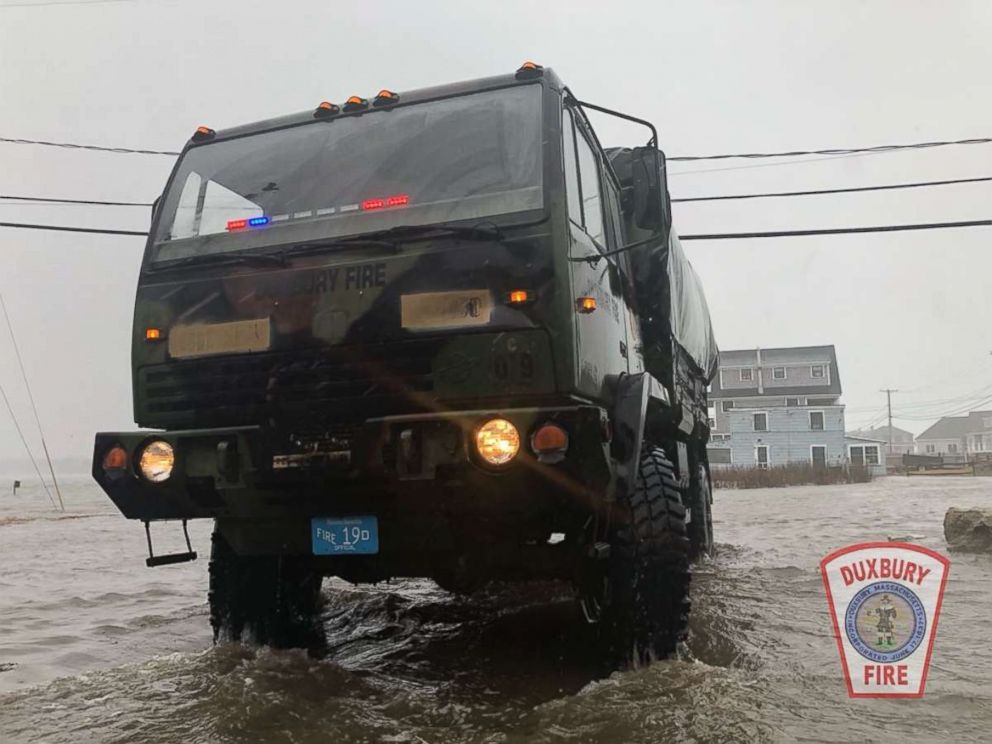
x,y
401,468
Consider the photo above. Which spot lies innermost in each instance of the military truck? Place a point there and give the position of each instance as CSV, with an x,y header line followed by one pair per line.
x,y
441,333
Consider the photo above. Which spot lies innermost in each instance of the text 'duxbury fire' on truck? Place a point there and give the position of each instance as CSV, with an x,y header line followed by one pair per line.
x,y
441,333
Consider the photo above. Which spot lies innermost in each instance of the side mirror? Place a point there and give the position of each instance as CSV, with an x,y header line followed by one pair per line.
x,y
652,207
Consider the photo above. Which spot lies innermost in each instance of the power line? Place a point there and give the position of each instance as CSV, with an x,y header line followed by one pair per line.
x,y
815,192
61,2
703,236
836,150
94,202
34,407
835,231
67,228
43,200
75,146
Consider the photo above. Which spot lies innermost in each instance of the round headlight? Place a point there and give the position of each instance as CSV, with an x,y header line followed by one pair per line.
x,y
497,441
156,461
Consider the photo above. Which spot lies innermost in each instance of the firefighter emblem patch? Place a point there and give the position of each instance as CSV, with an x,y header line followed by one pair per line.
x,y
884,601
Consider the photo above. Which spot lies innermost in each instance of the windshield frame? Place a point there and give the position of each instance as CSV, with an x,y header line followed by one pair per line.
x,y
549,103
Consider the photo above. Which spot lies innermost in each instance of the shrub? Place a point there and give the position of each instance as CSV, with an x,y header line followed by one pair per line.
x,y
796,474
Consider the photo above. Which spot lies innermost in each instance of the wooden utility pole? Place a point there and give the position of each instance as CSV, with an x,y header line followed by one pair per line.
x,y
888,397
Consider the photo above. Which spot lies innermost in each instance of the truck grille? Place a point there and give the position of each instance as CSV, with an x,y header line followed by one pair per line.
x,y
318,385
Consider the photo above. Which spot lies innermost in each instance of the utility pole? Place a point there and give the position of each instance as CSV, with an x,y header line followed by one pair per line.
x,y
888,397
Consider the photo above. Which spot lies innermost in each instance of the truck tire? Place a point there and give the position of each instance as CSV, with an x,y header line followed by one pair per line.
x,y
647,610
270,600
700,504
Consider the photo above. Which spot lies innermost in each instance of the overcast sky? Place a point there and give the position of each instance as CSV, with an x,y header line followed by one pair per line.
x,y
905,310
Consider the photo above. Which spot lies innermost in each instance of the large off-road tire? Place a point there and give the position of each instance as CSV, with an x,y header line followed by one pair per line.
x,y
270,600
699,501
647,608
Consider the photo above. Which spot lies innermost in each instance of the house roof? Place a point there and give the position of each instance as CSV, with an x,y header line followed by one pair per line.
x,y
883,431
779,356
947,427
859,438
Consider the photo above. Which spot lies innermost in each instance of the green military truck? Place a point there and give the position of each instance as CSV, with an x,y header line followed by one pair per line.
x,y
442,333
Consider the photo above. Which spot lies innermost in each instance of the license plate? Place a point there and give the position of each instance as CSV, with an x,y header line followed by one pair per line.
x,y
346,535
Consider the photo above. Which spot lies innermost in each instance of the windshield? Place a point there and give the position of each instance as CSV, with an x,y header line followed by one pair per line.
x,y
470,157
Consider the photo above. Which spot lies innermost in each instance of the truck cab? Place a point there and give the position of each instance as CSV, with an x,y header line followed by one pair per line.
x,y
439,333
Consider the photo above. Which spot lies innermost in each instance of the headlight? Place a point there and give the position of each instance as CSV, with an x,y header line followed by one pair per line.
x,y
497,441
156,461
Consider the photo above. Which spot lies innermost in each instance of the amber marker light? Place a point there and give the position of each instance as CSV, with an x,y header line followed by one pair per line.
x,y
356,103
153,334
115,459
203,133
586,304
549,439
518,297
497,441
385,97
326,109
529,70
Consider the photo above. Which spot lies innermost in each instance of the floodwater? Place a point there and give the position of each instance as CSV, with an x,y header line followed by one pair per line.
x,y
94,647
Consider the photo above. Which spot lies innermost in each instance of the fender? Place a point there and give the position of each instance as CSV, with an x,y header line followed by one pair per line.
x,y
635,394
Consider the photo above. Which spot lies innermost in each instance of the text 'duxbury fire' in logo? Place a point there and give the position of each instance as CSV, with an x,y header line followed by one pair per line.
x,y
884,601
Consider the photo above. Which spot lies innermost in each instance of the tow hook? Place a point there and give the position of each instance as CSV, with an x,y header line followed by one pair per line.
x,y
164,560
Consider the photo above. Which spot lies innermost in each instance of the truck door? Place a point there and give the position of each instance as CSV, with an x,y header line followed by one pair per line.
x,y
601,341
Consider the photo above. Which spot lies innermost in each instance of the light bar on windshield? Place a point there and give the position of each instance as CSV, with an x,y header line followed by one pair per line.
x,y
396,200
244,224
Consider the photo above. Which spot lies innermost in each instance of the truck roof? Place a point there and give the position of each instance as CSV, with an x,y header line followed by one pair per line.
x,y
417,95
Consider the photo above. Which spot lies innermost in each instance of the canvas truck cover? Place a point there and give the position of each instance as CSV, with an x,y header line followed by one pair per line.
x,y
670,296
672,303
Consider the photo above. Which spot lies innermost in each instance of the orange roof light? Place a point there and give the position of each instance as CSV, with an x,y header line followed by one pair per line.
x,y
385,97
586,304
529,70
153,334
518,297
203,133
326,109
356,103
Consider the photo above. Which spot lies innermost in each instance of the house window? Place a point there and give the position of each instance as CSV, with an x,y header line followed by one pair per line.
x,y
857,455
761,456
794,402
987,422
930,448
816,371
816,420
953,448
818,455
747,374
871,454
761,422
727,405
711,422
719,456
778,373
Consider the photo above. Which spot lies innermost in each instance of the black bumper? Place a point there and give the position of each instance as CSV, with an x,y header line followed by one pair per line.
x,y
402,469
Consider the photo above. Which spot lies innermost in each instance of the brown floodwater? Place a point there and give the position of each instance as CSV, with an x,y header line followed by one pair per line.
x,y
95,647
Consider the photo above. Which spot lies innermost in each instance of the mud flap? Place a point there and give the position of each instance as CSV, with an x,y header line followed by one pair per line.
x,y
635,394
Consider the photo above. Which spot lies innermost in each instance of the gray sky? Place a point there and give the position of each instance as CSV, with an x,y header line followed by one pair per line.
x,y
905,310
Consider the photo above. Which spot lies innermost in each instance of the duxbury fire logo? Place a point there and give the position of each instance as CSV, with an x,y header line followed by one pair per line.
x,y
885,600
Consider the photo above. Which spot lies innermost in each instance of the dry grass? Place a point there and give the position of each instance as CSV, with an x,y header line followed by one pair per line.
x,y
798,474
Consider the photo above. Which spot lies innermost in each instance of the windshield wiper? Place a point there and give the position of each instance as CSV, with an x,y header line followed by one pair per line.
x,y
223,259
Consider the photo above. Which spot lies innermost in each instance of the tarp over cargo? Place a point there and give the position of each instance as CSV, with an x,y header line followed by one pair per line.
x,y
672,302
669,293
